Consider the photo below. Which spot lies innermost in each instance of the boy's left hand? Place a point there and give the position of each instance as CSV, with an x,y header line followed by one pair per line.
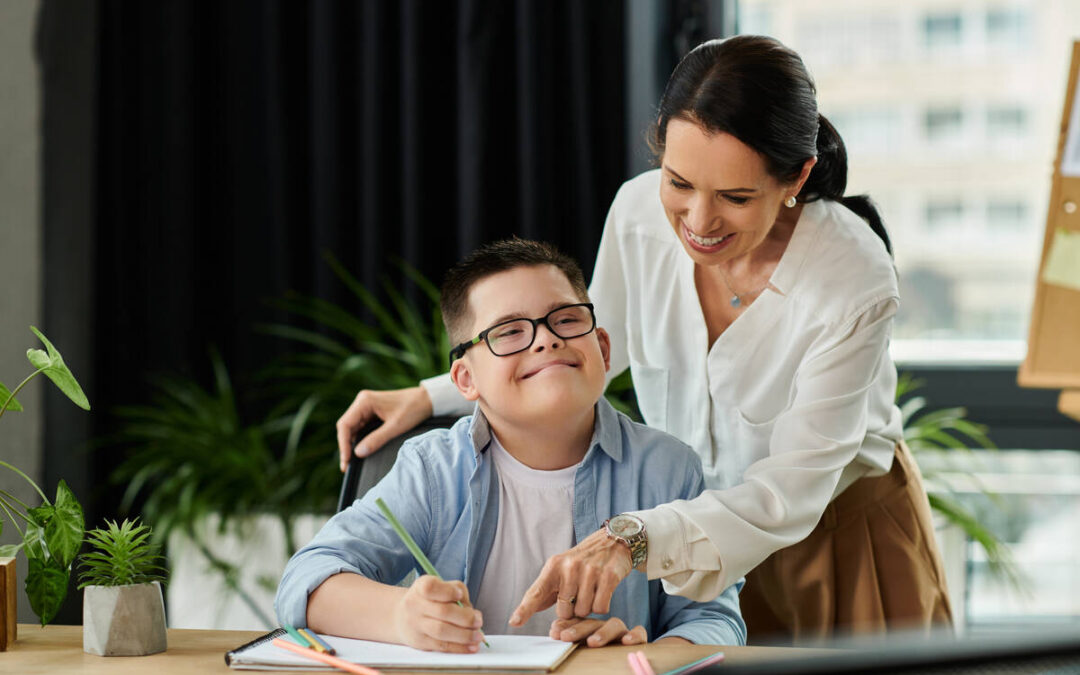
x,y
598,631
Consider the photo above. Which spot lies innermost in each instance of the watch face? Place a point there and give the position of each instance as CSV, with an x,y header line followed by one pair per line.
x,y
624,526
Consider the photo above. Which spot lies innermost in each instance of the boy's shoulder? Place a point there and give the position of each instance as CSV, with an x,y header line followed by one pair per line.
x,y
442,448
645,445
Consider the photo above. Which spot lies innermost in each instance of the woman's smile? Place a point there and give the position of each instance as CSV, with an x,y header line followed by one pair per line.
x,y
707,244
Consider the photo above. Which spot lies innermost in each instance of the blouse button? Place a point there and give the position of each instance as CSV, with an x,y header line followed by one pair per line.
x,y
666,563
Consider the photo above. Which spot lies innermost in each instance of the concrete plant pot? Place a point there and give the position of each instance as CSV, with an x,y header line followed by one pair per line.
x,y
124,620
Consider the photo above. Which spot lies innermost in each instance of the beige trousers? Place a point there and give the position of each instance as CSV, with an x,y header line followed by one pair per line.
x,y
870,566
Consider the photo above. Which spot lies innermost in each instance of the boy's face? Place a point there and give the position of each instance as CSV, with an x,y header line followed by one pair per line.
x,y
554,379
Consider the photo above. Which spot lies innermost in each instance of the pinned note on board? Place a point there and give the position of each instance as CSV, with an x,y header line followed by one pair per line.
x,y
1063,261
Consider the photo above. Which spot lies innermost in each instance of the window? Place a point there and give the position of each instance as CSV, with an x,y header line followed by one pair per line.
x,y
1009,122
1008,27
868,130
943,124
944,215
1007,216
942,30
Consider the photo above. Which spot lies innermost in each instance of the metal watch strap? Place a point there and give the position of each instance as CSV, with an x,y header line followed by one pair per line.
x,y
638,544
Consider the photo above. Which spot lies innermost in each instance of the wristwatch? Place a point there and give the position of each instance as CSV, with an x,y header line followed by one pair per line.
x,y
630,530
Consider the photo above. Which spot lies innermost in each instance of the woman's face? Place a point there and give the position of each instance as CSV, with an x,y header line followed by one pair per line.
x,y
717,194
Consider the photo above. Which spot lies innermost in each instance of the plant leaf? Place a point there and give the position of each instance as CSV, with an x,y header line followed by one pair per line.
x,y
64,531
46,587
9,550
52,364
34,541
5,394
41,514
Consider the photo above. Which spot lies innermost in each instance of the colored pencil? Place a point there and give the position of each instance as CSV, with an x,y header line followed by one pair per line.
x,y
300,639
334,661
697,665
315,644
315,636
410,544
639,664
646,667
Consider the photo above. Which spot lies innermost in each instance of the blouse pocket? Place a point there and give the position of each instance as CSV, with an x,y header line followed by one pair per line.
x,y
651,389
752,439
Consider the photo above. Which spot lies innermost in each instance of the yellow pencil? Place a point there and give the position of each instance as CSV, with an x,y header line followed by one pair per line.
x,y
315,644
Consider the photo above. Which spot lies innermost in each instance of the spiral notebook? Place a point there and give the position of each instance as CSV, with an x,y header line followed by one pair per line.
x,y
516,653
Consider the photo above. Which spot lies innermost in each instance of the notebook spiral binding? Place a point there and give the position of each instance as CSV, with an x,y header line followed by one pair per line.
x,y
276,633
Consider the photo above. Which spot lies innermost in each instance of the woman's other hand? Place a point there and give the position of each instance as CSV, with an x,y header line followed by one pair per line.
x,y
599,632
399,409
579,581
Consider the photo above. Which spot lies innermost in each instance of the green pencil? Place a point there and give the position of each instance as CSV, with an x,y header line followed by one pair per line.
x,y
296,636
410,544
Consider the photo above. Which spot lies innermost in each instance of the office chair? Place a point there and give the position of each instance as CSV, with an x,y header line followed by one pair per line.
x,y
364,472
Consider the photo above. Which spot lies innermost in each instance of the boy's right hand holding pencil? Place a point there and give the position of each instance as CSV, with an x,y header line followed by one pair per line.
x,y
428,617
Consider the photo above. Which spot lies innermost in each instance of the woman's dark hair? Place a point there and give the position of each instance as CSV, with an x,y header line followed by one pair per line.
x,y
759,91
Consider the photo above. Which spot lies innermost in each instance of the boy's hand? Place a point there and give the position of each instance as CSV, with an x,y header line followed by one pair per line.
x,y
428,618
598,631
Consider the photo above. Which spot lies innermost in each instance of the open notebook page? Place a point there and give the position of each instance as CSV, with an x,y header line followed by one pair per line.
x,y
507,652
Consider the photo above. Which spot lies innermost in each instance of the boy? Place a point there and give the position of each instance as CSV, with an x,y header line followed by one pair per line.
x,y
543,462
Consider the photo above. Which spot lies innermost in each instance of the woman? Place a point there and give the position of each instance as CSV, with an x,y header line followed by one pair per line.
x,y
753,303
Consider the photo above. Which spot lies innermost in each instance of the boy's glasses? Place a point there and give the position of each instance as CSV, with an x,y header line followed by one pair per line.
x,y
517,335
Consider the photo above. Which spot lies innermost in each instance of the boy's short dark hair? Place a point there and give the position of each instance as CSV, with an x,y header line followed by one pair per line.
x,y
499,256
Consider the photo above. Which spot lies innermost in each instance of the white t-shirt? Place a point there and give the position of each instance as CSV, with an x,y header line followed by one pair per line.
x,y
536,521
789,406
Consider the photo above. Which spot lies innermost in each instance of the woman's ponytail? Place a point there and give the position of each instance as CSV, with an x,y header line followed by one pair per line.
x,y
828,179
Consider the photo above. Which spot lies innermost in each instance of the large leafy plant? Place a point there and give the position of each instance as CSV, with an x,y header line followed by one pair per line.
x,y
51,532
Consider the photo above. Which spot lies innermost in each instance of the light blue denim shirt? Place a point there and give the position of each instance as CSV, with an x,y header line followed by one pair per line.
x,y
444,491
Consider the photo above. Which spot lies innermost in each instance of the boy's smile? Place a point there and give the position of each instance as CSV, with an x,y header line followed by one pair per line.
x,y
555,382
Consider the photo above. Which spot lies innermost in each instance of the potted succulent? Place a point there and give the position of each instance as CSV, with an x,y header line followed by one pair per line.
x,y
123,609
51,532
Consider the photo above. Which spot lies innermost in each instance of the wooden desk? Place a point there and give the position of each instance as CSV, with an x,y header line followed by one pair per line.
x,y
58,649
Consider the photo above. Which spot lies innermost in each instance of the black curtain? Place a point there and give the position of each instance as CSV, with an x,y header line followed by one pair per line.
x,y
200,157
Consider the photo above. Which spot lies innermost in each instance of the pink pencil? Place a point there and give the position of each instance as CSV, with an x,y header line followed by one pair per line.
x,y
334,661
646,667
635,665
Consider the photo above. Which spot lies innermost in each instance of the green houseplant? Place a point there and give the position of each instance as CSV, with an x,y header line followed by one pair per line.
x,y
53,531
123,609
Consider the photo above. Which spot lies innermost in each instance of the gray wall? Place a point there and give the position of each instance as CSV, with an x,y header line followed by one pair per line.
x,y
20,253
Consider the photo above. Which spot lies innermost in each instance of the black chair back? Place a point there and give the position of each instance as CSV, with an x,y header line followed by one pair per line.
x,y
364,472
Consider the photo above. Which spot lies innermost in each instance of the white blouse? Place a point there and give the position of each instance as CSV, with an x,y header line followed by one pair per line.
x,y
790,405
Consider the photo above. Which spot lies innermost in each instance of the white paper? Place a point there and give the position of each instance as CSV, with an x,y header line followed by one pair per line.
x,y
1063,262
507,652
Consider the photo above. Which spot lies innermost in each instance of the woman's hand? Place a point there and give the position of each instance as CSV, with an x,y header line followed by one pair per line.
x,y
427,617
598,631
399,409
579,581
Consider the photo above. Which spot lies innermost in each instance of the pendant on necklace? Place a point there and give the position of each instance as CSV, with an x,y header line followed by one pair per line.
x,y
735,301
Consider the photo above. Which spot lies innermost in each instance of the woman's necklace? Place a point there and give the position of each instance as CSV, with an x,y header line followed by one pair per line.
x,y
736,297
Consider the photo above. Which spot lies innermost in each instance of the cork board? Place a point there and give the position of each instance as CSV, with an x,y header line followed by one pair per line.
x,y
1053,356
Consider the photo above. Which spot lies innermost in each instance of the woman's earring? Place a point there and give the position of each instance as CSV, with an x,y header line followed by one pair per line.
x,y
790,202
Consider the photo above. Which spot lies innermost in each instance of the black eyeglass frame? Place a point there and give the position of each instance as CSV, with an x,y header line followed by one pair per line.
x,y
459,351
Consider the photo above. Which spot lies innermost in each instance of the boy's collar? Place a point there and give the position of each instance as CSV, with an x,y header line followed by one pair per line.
x,y
606,431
